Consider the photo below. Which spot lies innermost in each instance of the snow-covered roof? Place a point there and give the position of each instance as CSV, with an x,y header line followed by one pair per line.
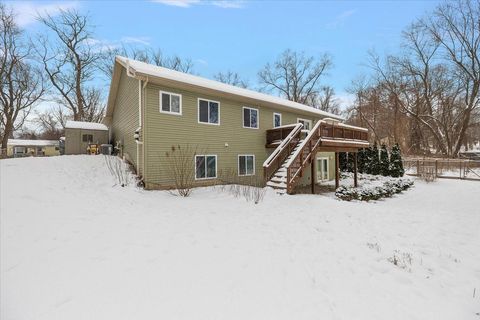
x,y
85,125
29,143
142,68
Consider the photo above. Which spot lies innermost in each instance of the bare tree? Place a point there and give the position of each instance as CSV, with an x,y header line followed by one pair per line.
x,y
325,100
49,124
455,26
231,78
21,84
70,62
147,55
295,75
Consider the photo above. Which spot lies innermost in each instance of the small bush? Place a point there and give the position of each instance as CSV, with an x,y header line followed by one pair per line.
x,y
181,169
250,187
402,260
389,188
119,170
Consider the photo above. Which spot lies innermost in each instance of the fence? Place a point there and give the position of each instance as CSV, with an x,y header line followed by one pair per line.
x,y
443,168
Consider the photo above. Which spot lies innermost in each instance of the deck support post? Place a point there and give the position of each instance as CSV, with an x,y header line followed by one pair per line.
x,y
355,181
337,170
312,175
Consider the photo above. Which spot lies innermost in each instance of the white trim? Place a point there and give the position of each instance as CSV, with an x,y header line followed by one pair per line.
x,y
306,120
137,68
238,165
171,94
274,114
206,168
328,168
258,118
198,112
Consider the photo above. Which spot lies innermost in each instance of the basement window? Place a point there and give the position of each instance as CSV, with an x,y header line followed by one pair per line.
x,y
170,103
246,165
205,167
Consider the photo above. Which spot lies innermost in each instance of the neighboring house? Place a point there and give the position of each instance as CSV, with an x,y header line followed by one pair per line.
x,y
235,131
38,148
78,135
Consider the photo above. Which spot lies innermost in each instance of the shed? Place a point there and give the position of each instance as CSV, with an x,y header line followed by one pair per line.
x,y
79,134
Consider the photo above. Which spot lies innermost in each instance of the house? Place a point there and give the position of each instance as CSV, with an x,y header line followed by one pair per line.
x,y
38,148
79,134
152,110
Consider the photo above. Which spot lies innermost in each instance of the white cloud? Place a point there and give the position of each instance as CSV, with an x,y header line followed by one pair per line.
x,y
139,40
201,61
227,4
345,99
27,11
178,3
340,19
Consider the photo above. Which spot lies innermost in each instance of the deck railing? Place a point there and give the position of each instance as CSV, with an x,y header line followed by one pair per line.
x,y
291,134
324,131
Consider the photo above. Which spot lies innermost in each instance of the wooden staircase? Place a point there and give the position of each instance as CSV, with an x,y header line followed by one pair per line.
x,y
279,179
285,166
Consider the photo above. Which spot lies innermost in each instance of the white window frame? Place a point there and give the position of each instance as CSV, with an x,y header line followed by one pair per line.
x,y
277,114
198,111
17,148
238,165
258,118
306,120
171,94
328,168
195,166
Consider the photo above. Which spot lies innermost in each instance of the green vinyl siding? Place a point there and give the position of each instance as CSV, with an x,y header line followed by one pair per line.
x,y
226,140
125,117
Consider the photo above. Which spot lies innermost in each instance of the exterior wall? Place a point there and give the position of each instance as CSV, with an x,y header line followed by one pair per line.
x,y
227,140
305,180
74,143
125,118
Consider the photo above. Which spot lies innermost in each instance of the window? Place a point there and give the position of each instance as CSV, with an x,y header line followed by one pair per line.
x,y
170,103
208,111
246,165
205,167
307,124
277,120
87,138
19,150
250,118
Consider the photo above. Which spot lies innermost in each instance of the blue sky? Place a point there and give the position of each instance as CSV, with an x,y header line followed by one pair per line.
x,y
244,35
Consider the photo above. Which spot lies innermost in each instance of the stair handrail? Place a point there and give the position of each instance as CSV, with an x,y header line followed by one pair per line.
x,y
314,132
285,142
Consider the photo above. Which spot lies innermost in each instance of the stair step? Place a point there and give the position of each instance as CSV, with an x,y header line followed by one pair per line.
x,y
278,180
277,185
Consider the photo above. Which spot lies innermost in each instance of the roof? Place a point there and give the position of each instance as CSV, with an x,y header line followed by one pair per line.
x,y
138,68
32,143
85,125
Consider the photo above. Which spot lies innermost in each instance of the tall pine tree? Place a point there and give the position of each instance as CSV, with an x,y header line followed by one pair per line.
x,y
373,165
342,157
384,165
361,159
396,164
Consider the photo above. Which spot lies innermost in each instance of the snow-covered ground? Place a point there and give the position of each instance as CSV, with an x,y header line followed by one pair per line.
x,y
74,247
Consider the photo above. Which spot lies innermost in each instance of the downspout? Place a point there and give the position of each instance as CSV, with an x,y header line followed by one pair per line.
x,y
143,131
139,129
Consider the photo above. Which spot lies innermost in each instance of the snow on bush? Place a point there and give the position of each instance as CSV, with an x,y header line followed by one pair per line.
x,y
119,170
375,191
